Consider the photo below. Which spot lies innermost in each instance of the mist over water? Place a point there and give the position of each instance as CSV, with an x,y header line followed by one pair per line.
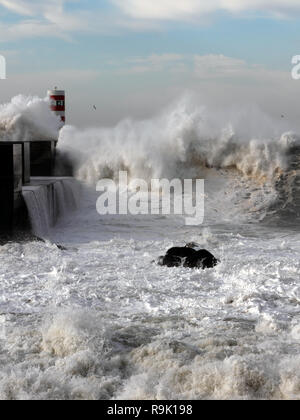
x,y
188,140
101,319
28,118
180,141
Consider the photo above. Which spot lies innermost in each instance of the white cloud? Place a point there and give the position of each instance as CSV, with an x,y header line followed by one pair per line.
x,y
157,58
51,18
34,7
152,63
21,7
202,68
44,18
190,9
206,67
216,66
29,29
229,71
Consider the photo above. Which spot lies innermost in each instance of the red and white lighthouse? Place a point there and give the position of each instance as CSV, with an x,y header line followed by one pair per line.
x,y
57,103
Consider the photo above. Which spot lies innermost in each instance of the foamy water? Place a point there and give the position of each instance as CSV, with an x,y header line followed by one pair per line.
x,y
27,118
101,320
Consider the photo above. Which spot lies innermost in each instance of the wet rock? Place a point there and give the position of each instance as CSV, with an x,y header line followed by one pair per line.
x,y
188,257
201,259
182,252
170,261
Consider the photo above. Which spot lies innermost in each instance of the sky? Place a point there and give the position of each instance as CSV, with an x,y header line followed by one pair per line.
x,y
132,58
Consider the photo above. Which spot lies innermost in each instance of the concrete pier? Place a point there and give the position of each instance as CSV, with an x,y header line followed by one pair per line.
x,y
42,158
28,189
48,199
26,162
11,180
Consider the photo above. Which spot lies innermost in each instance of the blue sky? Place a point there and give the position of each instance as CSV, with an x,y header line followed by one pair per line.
x,y
131,57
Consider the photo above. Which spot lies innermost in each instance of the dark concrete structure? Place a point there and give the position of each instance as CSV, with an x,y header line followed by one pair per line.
x,y
25,161
28,168
11,180
18,162
42,158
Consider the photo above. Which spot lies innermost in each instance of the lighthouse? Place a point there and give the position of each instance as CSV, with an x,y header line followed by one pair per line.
x,y
57,103
43,151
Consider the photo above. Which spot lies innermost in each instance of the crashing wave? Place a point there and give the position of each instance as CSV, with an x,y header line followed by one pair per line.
x,y
187,141
27,118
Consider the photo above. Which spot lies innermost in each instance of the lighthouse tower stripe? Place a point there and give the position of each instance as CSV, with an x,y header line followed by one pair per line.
x,y
57,102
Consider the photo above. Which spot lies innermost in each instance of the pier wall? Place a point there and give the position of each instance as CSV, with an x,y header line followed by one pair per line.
x,y
49,199
30,196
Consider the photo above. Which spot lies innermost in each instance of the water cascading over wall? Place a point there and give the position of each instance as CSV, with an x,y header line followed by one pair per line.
x,y
49,200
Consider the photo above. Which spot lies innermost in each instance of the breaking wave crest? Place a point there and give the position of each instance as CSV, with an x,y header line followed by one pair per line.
x,y
27,118
188,141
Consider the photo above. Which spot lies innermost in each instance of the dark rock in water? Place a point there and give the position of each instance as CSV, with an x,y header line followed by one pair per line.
x,y
170,261
188,257
182,252
201,259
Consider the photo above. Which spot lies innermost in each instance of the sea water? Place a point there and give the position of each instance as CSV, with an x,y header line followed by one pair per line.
x,y
101,320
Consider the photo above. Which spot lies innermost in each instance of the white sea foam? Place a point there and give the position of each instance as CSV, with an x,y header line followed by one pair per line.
x,y
28,118
190,141
47,203
181,142
101,320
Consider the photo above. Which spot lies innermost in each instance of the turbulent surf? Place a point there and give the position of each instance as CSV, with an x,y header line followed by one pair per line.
x,y
99,319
